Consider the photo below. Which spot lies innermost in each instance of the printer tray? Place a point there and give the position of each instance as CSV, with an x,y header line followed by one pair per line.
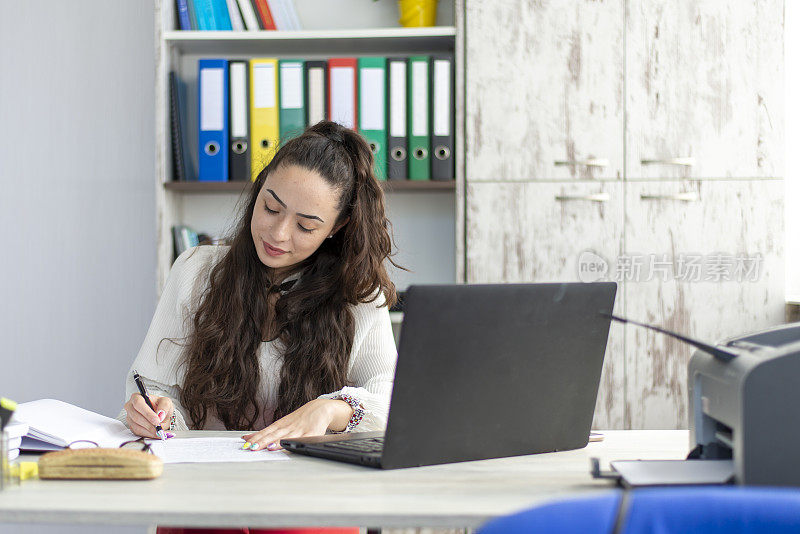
x,y
638,473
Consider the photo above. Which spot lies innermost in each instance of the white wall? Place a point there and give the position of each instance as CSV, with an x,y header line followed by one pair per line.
x,y
325,14
77,276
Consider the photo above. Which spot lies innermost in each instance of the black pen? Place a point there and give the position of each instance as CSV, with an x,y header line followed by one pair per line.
x,y
140,385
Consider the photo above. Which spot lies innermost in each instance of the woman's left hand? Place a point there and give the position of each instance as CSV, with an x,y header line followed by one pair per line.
x,y
311,419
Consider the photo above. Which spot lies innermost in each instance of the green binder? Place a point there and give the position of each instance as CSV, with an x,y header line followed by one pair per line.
x,y
372,108
292,111
419,136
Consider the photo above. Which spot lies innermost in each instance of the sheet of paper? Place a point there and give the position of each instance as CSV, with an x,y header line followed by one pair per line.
x,y
196,450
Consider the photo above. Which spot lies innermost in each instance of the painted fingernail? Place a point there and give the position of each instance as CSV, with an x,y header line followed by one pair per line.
x,y
254,446
272,446
169,435
161,415
246,445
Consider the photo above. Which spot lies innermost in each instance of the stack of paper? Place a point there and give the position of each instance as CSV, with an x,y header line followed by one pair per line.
x,y
54,424
15,430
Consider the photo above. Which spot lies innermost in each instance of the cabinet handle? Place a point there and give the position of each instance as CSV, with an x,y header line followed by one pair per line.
x,y
689,196
591,162
595,197
686,162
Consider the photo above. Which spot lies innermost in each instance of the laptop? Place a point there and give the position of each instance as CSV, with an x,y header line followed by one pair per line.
x,y
486,371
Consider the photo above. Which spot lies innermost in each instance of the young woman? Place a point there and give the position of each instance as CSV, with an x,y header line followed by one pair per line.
x,y
286,332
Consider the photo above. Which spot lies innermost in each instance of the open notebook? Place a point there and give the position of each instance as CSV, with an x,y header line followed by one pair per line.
x,y
54,424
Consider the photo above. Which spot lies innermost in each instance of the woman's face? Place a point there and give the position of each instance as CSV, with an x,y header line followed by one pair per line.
x,y
294,213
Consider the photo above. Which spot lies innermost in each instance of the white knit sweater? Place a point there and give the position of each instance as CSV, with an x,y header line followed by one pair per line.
x,y
370,368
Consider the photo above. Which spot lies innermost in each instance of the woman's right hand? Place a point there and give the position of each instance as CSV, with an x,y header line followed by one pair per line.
x,y
142,420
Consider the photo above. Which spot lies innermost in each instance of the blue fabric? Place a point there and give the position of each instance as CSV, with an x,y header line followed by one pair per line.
x,y
713,510
582,515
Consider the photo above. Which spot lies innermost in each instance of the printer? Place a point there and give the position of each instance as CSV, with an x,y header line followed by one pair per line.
x,y
744,415
744,405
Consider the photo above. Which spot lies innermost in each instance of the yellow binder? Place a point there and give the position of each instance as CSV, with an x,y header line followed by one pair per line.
x,y
264,126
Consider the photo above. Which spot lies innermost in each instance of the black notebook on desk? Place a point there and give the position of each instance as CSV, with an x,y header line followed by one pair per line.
x,y
486,371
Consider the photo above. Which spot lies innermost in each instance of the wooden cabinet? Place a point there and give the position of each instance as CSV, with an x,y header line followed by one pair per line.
x,y
710,265
537,231
541,232
544,90
703,258
700,84
704,91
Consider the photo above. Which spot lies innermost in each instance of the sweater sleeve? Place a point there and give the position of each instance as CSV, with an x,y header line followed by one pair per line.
x,y
160,356
372,365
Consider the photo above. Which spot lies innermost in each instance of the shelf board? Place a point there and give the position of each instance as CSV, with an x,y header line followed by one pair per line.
x,y
421,185
331,42
238,187
207,187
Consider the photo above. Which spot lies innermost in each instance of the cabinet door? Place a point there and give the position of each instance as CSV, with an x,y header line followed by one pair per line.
x,y
704,96
544,90
545,232
711,267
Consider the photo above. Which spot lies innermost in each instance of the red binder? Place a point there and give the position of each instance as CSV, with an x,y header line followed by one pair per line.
x,y
265,14
343,91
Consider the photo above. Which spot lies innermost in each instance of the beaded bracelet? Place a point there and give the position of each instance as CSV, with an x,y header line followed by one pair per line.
x,y
358,412
172,421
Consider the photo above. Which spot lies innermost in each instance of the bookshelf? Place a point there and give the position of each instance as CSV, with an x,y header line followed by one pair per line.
x,y
365,41
425,215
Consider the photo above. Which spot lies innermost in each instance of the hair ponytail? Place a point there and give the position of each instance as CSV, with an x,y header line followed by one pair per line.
x,y
368,238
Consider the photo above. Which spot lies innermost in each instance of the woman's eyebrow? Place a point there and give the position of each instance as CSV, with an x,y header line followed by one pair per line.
x,y
310,217
271,192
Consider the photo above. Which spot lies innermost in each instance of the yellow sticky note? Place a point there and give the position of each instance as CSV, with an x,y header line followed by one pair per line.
x,y
25,470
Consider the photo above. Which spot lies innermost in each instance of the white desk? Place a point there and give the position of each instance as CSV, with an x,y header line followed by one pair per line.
x,y
312,492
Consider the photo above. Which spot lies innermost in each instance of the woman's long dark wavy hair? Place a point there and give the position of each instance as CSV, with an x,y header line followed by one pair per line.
x,y
313,323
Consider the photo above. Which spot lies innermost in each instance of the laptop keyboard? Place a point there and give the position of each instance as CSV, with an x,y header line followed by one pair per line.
x,y
369,445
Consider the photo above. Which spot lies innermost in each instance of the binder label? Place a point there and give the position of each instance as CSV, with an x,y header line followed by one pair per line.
x,y
292,86
211,88
264,86
238,100
397,73
372,94
419,92
343,90
316,93
441,98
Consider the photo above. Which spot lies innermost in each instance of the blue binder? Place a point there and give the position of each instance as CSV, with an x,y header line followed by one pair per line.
x,y
212,82
221,16
183,14
212,15
204,11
